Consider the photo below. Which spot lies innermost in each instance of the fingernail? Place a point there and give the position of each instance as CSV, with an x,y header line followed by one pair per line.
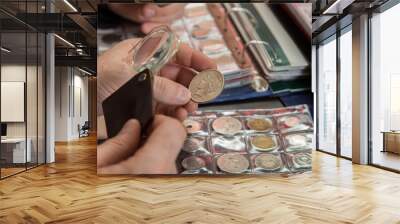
x,y
149,13
184,95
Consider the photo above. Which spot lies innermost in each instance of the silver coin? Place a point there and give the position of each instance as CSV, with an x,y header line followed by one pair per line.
x,y
233,163
206,85
302,160
227,125
193,163
259,84
191,145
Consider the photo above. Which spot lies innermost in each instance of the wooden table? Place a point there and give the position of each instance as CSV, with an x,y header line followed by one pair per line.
x,y
391,141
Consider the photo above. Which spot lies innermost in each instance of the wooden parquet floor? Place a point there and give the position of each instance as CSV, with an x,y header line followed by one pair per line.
x,y
69,191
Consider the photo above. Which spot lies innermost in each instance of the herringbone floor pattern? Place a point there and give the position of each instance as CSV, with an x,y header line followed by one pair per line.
x,y
69,191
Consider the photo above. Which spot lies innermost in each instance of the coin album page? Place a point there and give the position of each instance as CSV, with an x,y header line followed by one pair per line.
x,y
198,29
260,141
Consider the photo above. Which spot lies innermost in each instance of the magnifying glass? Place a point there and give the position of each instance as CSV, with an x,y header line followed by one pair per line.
x,y
155,50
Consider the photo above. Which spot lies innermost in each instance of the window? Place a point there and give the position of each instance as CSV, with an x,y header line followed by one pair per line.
x,y
385,85
346,95
327,96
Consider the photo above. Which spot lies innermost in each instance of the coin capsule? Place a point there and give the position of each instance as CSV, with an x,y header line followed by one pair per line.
x,y
291,121
193,163
297,140
192,126
233,163
268,162
227,125
191,145
259,124
302,160
263,143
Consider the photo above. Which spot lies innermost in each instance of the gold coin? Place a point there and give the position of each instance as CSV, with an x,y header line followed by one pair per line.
x,y
206,85
263,143
259,124
267,162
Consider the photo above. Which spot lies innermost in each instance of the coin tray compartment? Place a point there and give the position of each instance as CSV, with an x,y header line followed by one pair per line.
x,y
207,169
295,166
226,144
214,133
231,113
283,168
219,171
298,141
217,144
197,145
252,145
294,122
247,120
192,129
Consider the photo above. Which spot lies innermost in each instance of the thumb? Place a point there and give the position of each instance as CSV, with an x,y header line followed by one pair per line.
x,y
169,92
121,146
159,152
148,11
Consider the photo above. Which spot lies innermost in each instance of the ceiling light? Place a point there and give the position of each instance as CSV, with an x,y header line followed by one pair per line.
x,y
70,5
5,49
65,41
337,7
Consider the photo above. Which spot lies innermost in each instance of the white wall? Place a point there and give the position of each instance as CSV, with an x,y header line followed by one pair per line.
x,y
70,83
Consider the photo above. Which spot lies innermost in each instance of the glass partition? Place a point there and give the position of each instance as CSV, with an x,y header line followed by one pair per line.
x,y
14,153
22,78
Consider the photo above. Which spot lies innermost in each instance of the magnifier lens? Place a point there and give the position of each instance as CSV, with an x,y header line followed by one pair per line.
x,y
155,50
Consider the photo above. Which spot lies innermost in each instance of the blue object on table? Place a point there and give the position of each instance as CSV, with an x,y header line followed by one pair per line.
x,y
241,93
305,97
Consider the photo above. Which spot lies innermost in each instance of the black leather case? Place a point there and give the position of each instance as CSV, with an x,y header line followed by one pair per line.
x,y
132,100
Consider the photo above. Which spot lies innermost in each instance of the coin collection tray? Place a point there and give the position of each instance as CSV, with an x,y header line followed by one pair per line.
x,y
256,141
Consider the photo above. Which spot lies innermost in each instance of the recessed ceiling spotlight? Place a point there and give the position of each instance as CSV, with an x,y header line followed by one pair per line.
x,y
84,71
70,5
5,49
65,41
